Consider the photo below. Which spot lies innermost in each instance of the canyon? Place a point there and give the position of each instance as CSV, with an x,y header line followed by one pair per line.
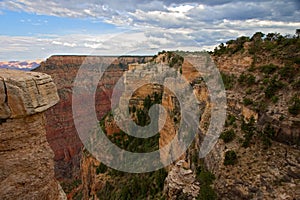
x,y
61,132
265,141
262,170
255,157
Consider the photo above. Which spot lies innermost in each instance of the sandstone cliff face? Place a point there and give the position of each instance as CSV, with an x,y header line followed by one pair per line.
x,y
90,179
26,167
181,181
260,172
61,132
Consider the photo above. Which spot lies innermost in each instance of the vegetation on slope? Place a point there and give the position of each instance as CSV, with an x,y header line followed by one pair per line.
x,y
271,82
121,185
272,77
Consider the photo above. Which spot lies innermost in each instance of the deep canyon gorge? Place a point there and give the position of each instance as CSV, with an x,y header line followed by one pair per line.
x,y
256,156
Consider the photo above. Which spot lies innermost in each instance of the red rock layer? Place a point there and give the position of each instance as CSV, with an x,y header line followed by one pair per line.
x,y
61,132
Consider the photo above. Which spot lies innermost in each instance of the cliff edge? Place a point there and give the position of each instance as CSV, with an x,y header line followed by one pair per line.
x,y
26,167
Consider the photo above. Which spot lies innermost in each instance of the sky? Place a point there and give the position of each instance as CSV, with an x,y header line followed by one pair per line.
x,y
36,29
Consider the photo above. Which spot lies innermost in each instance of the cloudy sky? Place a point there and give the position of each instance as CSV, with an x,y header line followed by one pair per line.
x,y
36,29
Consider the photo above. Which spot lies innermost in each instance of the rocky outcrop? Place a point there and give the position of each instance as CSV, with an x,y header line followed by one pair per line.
x,y
61,131
258,173
181,181
26,167
250,61
25,93
262,170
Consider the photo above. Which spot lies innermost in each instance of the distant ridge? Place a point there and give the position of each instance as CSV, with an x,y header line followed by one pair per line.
x,y
20,65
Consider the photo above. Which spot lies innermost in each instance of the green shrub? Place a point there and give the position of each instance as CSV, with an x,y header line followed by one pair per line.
x,y
228,80
230,158
228,136
221,49
69,186
247,139
204,176
206,193
147,102
287,72
273,86
175,59
266,80
275,99
157,98
268,69
142,117
101,169
281,118
205,179
242,78
249,130
247,101
247,79
249,91
267,135
250,79
246,127
297,60
231,119
294,109
261,106
160,176
133,186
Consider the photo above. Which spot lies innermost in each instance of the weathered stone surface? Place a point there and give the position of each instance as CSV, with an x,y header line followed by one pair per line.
x,y
181,180
25,93
26,167
259,174
4,109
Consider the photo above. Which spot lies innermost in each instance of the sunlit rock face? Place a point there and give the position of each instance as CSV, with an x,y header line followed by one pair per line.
x,y
27,167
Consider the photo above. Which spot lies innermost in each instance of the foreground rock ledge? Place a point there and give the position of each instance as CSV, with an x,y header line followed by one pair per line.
x,y
25,93
26,160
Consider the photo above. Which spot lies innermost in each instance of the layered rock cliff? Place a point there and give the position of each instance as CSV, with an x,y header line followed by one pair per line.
x,y
257,155
26,167
61,132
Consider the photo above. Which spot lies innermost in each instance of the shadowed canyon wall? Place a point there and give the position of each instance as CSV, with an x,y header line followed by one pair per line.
x,y
61,132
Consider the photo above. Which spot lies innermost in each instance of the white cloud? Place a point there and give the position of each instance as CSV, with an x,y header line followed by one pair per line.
x,y
22,48
181,8
158,24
